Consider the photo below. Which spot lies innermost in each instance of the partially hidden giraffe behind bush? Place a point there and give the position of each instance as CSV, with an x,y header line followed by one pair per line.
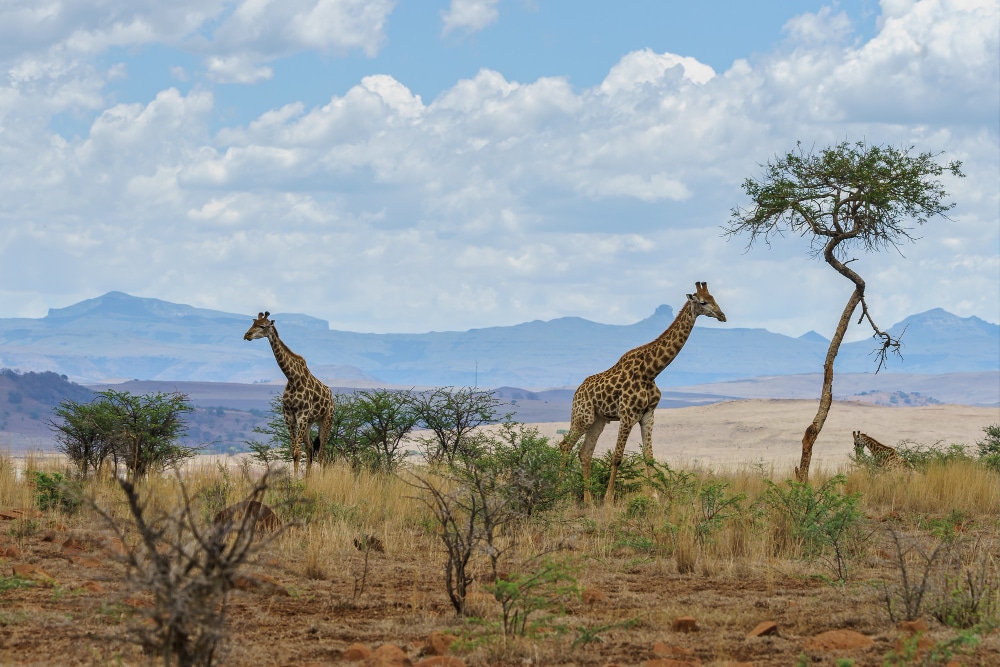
x,y
884,455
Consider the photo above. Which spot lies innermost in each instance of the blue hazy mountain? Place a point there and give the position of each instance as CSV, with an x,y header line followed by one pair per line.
x,y
118,336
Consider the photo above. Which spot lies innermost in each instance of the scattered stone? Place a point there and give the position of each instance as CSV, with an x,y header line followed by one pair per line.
x,y
356,652
685,624
11,552
92,587
263,584
669,662
441,661
593,596
438,643
266,520
388,655
33,572
73,546
49,536
663,649
837,640
912,627
8,515
84,561
763,628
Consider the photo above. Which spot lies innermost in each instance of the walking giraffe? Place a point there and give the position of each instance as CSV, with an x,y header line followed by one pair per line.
x,y
306,400
884,455
627,392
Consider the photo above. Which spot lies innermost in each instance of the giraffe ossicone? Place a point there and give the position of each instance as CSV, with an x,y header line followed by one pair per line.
x,y
305,401
627,392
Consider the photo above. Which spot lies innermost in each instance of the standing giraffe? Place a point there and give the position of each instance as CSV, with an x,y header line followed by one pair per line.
x,y
627,392
306,400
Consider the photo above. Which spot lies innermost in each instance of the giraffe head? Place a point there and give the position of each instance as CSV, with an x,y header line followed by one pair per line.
x,y
704,303
859,443
260,327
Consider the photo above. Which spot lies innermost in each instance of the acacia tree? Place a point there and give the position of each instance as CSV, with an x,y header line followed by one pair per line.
x,y
846,197
80,432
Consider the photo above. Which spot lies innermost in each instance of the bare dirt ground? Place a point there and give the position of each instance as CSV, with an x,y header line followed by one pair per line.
x,y
297,608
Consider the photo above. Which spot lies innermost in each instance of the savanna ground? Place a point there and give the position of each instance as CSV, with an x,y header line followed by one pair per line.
x,y
715,545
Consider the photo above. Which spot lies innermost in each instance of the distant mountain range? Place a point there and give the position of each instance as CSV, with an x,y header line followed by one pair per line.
x,y
117,336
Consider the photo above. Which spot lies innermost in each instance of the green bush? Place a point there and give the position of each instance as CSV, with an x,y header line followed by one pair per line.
x,y
824,521
54,491
989,447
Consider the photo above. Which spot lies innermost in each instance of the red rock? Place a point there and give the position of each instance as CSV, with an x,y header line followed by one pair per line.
x,y
264,518
763,628
356,652
388,655
836,640
665,650
669,662
685,624
912,627
73,546
593,596
441,661
12,553
86,562
93,587
438,643
33,572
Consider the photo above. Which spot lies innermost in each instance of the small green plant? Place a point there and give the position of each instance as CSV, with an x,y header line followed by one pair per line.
x,y
823,520
591,635
920,457
969,591
13,583
716,508
54,491
544,588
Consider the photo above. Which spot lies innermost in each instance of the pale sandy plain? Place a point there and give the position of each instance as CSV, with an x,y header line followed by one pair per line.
x,y
769,431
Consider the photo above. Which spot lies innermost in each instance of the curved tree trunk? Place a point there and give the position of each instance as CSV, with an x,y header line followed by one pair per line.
x,y
826,397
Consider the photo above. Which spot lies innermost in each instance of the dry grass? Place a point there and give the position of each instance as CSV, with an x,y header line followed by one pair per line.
x,y
644,556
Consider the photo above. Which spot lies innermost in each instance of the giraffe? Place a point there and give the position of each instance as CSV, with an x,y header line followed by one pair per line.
x,y
884,455
306,400
627,392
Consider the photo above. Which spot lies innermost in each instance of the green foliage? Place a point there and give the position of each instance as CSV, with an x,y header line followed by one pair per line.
x,y
630,479
544,587
859,194
528,469
139,432
54,491
920,457
13,583
368,431
452,415
823,520
988,449
943,528
716,507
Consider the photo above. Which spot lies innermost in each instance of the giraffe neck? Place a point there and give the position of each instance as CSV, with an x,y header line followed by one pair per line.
x,y
662,351
291,364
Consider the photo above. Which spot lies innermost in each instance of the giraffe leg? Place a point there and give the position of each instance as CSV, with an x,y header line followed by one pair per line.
x,y
646,428
302,440
293,438
325,426
587,454
616,459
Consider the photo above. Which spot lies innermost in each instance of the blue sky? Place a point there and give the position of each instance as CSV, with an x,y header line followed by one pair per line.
x,y
412,166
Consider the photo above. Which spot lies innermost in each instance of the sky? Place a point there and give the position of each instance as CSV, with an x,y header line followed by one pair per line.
x,y
442,165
